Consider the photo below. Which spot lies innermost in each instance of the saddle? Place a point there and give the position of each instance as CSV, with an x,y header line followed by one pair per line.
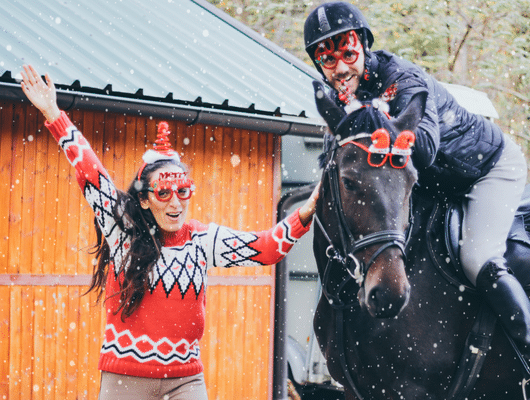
x,y
445,221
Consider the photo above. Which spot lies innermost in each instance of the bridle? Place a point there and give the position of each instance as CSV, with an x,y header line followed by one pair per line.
x,y
345,256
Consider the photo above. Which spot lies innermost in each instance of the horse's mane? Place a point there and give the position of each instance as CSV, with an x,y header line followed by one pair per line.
x,y
365,119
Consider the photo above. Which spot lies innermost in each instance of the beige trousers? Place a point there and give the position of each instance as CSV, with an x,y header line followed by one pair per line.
x,y
489,209
124,387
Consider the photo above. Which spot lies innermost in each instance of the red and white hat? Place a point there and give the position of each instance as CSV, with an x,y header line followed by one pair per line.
x,y
161,149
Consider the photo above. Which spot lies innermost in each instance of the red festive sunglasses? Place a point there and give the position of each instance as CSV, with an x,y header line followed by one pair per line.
x,y
164,189
348,44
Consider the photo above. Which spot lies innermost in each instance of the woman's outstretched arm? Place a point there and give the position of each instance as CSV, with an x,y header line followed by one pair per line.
x,y
94,180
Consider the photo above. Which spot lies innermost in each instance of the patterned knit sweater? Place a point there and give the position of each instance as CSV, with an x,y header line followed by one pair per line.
x,y
161,338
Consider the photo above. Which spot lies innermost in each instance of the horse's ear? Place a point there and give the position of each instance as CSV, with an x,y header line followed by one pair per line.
x,y
411,116
327,108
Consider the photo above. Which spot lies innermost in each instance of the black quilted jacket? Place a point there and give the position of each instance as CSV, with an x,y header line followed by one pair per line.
x,y
453,147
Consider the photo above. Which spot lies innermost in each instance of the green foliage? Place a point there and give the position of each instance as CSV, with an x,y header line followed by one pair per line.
x,y
483,44
282,22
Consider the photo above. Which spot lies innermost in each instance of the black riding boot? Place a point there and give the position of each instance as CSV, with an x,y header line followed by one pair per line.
x,y
508,300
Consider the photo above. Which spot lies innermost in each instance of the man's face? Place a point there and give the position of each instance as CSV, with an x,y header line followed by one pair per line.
x,y
341,59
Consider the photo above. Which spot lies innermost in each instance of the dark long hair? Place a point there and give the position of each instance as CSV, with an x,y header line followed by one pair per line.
x,y
140,225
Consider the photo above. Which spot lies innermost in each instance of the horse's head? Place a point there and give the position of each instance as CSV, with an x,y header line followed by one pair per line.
x,y
364,205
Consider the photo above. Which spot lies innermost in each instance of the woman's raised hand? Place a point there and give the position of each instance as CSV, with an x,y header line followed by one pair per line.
x,y
41,94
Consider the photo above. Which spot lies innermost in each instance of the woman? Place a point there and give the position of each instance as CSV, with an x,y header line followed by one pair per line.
x,y
152,264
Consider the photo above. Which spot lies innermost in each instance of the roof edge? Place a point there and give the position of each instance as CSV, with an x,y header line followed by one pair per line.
x,y
284,125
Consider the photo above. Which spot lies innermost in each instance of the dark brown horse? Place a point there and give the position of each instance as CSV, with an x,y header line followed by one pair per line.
x,y
390,324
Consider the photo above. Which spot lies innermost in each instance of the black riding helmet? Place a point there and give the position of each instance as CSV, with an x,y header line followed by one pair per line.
x,y
330,19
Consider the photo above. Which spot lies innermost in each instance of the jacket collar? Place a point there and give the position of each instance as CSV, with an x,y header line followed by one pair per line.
x,y
371,81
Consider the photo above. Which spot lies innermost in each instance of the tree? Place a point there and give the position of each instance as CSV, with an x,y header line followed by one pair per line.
x,y
483,44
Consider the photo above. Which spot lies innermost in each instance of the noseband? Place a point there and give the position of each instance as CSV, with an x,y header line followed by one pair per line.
x,y
345,257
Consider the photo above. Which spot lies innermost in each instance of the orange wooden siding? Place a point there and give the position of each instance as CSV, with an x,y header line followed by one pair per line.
x,y
50,335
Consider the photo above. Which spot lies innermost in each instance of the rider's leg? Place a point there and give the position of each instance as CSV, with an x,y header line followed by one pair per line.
x,y
488,216
489,209
508,300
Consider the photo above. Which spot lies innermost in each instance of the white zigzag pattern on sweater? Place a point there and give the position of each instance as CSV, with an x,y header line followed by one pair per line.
x,y
285,230
153,349
72,139
102,202
182,265
232,248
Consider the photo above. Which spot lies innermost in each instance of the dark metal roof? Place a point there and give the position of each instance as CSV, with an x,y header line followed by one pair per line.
x,y
172,53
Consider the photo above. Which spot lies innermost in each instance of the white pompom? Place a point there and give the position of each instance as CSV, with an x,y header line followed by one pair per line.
x,y
381,105
353,106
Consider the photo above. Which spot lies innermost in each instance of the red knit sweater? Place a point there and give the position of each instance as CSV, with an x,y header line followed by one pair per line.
x,y
161,339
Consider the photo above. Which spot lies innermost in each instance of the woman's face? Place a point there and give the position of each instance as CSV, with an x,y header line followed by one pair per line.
x,y
169,215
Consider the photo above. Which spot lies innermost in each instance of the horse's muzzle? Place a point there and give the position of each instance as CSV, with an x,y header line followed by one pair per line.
x,y
383,297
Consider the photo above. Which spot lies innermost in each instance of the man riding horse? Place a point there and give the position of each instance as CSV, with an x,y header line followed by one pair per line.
x,y
456,153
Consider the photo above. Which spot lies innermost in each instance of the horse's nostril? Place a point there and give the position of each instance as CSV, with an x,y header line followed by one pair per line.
x,y
382,303
377,298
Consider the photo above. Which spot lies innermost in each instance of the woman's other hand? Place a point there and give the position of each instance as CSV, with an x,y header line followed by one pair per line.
x,y
308,209
41,94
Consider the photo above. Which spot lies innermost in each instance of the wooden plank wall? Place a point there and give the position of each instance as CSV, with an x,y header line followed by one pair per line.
x,y
50,335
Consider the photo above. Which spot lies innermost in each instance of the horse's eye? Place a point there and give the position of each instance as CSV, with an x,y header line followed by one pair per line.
x,y
349,184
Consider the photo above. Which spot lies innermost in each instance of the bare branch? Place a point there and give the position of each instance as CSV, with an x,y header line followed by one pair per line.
x,y
452,65
499,88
